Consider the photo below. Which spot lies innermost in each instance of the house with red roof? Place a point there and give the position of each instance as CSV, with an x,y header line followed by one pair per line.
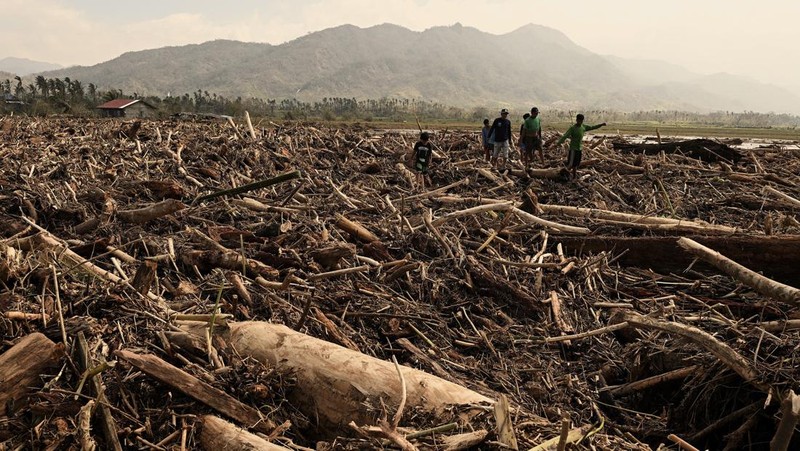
x,y
127,108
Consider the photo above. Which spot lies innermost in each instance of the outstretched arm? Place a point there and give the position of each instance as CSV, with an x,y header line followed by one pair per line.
x,y
595,127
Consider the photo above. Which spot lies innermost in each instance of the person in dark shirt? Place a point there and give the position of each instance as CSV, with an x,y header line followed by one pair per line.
x,y
422,157
501,128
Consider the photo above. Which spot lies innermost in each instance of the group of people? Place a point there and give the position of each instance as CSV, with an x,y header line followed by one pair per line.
x,y
497,142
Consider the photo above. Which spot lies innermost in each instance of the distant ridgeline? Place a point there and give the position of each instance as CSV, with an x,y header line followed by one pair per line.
x,y
43,96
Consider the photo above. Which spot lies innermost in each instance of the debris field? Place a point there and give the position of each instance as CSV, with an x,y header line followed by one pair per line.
x,y
208,284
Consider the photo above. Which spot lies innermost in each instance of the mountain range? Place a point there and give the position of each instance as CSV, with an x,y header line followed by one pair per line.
x,y
23,66
453,65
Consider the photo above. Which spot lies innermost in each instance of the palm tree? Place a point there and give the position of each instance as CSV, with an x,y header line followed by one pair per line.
x,y
41,82
19,89
76,90
92,92
61,87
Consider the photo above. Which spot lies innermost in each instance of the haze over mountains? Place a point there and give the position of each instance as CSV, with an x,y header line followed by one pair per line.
x,y
23,66
453,65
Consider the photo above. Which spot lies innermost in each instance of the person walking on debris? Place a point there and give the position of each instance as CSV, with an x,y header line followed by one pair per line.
x,y
487,140
532,138
422,157
501,128
575,136
521,143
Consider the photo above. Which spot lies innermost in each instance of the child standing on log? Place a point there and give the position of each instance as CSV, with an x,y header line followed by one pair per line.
x,y
422,157
487,140
575,136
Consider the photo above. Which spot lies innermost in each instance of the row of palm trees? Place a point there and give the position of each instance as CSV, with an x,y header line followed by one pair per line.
x,y
65,95
63,89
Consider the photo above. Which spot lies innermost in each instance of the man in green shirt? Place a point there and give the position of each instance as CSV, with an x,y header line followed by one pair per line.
x,y
575,136
532,137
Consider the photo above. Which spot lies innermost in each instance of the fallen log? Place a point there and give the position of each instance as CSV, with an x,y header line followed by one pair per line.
x,y
635,386
61,252
356,230
778,256
338,385
217,434
559,174
207,260
197,389
750,202
785,197
21,366
761,284
499,287
598,214
285,177
502,206
468,440
532,219
151,212
722,351
701,149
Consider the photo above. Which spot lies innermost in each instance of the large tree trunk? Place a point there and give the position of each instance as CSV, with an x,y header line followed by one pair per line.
x,y
338,385
776,257
702,149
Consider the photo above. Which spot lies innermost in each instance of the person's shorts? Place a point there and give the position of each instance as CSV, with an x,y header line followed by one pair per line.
x,y
574,158
501,149
532,143
421,167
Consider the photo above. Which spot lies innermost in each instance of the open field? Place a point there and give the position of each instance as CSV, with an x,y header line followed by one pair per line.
x,y
633,128
280,306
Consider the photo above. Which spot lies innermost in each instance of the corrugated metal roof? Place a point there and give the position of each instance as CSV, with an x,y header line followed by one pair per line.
x,y
117,104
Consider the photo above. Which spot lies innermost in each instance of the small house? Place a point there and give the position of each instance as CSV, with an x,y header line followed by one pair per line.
x,y
127,108
13,103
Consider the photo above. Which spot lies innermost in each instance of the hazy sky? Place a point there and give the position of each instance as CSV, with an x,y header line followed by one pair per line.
x,y
746,37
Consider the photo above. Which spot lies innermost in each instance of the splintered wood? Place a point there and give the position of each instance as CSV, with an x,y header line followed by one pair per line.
x,y
254,285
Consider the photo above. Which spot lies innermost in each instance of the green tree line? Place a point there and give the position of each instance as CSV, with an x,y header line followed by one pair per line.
x,y
47,96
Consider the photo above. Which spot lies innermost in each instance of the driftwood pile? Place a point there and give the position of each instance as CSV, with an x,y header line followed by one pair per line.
x,y
209,285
